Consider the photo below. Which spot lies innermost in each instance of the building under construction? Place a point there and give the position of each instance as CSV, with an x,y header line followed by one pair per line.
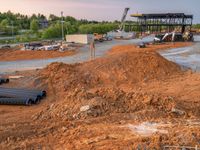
x,y
167,22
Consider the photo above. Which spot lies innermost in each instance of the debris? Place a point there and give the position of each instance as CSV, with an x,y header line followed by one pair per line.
x,y
146,129
177,111
84,108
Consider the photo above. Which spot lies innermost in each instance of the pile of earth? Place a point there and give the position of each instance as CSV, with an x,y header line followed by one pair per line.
x,y
82,104
17,54
93,88
115,70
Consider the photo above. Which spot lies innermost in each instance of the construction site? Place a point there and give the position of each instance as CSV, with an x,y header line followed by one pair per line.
x,y
137,90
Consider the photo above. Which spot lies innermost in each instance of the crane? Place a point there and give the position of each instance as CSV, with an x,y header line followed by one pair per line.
x,y
121,28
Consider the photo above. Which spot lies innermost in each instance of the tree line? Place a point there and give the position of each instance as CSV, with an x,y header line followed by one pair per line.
x,y
27,27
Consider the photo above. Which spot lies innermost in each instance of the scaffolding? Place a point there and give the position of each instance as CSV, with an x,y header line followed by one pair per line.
x,y
162,22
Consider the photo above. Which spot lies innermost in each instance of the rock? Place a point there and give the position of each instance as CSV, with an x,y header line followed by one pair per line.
x,y
177,111
64,129
84,108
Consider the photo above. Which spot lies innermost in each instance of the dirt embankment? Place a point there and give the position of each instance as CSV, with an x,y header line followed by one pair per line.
x,y
129,98
13,55
150,47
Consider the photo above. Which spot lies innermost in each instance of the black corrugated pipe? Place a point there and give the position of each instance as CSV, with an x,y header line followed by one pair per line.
x,y
8,94
4,91
38,92
4,80
15,101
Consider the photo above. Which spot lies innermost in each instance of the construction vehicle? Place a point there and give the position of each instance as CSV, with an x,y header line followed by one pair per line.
x,y
98,37
121,27
120,33
102,37
174,37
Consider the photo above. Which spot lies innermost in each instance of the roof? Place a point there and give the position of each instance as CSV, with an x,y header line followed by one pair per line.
x,y
162,15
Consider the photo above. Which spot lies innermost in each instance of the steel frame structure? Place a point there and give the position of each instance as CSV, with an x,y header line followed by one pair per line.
x,y
156,22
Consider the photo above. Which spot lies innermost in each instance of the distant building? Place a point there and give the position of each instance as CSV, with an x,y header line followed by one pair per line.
x,y
157,22
43,23
80,38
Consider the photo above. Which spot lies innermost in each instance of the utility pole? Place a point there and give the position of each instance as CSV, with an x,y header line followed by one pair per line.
x,y
12,28
62,21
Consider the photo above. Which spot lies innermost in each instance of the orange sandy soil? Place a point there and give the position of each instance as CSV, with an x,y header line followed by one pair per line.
x,y
13,55
151,47
130,98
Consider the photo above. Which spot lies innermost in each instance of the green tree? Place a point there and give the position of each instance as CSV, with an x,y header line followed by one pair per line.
x,y
54,31
196,26
4,23
97,28
34,26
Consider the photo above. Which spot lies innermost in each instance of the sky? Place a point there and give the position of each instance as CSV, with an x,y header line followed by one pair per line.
x,y
108,10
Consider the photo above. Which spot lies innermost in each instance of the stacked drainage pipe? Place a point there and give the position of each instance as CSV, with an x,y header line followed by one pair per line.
x,y
4,80
15,96
15,101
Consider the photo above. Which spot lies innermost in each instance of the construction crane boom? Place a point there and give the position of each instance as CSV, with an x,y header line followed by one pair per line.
x,y
124,18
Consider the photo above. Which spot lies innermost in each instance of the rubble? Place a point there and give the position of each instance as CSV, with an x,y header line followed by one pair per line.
x,y
177,111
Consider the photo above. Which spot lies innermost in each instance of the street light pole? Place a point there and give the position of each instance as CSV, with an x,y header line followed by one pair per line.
x,y
12,28
62,25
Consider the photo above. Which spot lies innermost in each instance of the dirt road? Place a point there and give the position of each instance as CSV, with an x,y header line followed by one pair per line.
x,y
81,56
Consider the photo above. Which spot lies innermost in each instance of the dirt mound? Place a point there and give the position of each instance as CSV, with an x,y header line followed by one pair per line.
x,y
126,100
17,54
149,47
133,67
71,84
106,101
115,70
